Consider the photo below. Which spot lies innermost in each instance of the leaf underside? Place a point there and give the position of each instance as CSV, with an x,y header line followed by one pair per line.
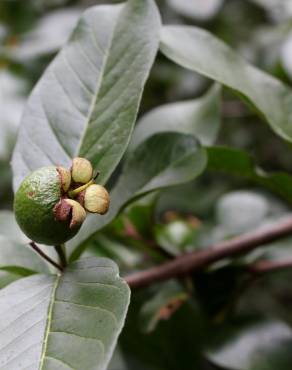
x,y
198,50
198,117
63,322
87,100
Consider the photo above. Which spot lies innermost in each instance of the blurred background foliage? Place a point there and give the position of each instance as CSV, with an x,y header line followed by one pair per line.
x,y
215,319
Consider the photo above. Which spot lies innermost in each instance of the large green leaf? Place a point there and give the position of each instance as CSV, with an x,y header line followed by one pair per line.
x,y
252,345
238,163
198,117
165,159
63,322
86,102
198,50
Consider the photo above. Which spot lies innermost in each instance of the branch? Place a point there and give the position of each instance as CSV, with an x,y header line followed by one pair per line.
x,y
46,257
264,267
197,260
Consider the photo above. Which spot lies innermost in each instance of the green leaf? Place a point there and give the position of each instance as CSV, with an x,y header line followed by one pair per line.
x,y
198,117
86,102
198,50
174,345
63,322
105,245
141,214
47,36
19,258
9,227
170,297
252,345
11,106
164,160
198,10
239,163
7,278
241,211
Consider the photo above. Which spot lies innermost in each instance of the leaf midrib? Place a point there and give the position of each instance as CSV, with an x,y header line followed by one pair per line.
x,y
98,85
49,321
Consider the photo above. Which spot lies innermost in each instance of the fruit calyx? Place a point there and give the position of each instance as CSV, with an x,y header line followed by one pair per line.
x,y
79,194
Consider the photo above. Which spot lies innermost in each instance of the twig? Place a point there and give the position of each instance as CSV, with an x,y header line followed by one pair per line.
x,y
197,260
44,256
264,267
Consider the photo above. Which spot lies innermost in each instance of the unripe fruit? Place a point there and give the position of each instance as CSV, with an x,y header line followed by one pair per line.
x,y
35,208
49,202
82,170
96,199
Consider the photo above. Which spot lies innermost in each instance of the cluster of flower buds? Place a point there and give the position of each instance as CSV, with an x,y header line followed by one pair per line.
x,y
80,193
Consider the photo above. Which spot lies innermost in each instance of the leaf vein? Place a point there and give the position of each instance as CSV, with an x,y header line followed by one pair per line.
x,y
82,337
96,308
61,361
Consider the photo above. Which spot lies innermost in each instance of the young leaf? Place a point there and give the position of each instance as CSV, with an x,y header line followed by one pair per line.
x,y
198,50
86,102
165,159
198,117
63,322
237,162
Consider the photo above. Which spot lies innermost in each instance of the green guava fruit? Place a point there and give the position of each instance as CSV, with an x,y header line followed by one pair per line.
x,y
41,210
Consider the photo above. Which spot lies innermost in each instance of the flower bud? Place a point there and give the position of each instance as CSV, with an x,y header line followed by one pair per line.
x,y
65,177
96,199
82,170
71,211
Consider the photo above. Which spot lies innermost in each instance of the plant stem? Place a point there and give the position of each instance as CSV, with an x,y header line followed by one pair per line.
x,y
73,193
264,267
61,251
44,256
198,260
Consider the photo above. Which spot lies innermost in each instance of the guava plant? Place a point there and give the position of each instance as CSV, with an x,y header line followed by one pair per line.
x,y
79,161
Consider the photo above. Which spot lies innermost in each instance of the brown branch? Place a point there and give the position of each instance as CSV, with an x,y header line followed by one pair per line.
x,y
264,267
197,260
44,256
